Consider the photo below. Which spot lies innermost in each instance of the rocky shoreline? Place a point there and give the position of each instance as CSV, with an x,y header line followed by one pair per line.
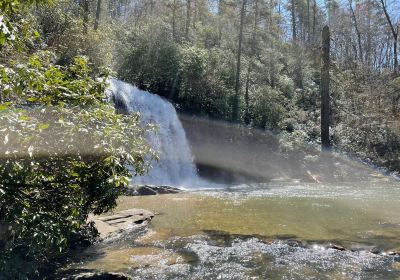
x,y
110,225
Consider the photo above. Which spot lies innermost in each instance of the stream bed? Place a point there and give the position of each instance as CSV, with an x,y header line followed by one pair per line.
x,y
279,230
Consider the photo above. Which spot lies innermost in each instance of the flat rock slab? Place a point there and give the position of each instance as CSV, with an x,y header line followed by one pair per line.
x,y
99,276
120,221
150,190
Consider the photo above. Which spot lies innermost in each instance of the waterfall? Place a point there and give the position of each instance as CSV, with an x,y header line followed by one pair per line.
x,y
175,166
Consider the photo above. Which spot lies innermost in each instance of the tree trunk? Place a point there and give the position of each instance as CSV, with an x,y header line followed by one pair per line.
x,y
187,29
396,59
247,97
236,100
251,62
174,21
85,7
395,33
220,6
314,20
271,42
370,56
293,12
360,50
98,12
324,90
308,22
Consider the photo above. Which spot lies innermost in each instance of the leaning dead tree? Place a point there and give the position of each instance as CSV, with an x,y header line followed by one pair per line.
x,y
324,89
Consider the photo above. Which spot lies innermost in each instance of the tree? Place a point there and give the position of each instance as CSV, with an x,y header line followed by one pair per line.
x,y
324,89
85,10
98,12
65,155
188,10
293,15
251,62
395,33
236,100
353,15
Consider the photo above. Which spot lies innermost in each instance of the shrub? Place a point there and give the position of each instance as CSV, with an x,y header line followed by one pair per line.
x,y
64,154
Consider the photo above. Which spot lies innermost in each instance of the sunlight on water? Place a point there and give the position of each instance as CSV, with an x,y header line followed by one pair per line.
x,y
273,231
366,213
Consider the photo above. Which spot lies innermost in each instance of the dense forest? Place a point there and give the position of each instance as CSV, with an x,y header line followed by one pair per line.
x,y
254,62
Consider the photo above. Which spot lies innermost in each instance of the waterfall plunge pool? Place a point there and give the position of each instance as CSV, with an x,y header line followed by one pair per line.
x,y
276,230
261,231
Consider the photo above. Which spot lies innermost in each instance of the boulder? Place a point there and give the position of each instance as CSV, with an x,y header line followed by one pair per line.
x,y
120,221
150,190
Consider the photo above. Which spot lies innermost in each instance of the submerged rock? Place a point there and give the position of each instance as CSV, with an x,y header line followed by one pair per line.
x,y
150,190
121,221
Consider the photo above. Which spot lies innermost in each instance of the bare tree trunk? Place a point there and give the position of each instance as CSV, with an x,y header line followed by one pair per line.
x,y
308,22
279,7
293,13
395,33
236,100
324,90
251,62
188,3
220,5
368,51
174,20
195,13
85,8
361,56
396,59
271,41
314,20
98,12
112,8
247,97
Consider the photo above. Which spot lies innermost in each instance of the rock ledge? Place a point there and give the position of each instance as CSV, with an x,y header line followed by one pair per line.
x,y
120,221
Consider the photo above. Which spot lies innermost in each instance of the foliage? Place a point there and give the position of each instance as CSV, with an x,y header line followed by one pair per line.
x,y
16,26
64,155
151,66
202,88
63,31
268,108
366,116
194,66
193,77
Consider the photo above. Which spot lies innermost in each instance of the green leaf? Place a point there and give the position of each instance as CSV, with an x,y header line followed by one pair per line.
x,y
43,126
4,107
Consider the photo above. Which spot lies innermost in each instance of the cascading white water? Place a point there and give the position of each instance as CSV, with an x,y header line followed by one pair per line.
x,y
175,166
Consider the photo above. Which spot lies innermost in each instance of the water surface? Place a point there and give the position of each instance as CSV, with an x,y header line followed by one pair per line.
x,y
275,231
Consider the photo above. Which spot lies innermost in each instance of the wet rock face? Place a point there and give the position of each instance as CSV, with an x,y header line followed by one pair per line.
x,y
120,222
150,190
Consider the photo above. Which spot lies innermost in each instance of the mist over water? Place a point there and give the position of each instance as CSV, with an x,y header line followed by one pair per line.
x,y
175,165
278,216
225,153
